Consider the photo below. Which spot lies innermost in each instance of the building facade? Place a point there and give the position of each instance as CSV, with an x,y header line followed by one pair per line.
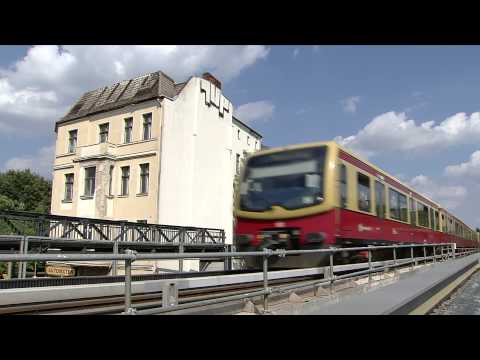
x,y
151,150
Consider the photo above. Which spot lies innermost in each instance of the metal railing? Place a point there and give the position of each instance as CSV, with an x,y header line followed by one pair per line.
x,y
440,252
67,227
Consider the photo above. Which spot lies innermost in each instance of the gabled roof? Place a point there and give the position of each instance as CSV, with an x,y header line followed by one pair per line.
x,y
234,119
145,87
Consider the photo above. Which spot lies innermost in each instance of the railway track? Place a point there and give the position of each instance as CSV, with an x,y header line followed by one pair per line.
x,y
115,304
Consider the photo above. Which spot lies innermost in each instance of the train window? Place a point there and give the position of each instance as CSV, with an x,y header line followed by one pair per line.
x,y
380,199
444,223
343,186
413,212
398,206
437,223
422,214
363,192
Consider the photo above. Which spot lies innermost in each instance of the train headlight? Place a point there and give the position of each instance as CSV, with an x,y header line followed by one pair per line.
x,y
315,237
244,239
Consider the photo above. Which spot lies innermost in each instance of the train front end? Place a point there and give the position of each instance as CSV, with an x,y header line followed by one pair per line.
x,y
286,200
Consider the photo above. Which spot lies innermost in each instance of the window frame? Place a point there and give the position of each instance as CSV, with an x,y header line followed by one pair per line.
x,y
147,125
124,187
343,179
419,203
144,175
380,185
128,120
88,180
361,174
412,210
71,149
399,194
102,132
237,164
69,187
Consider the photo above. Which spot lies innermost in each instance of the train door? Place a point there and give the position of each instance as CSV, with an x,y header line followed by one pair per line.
x,y
413,219
380,208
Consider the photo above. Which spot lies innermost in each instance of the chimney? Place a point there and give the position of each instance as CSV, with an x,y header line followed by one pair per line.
x,y
209,77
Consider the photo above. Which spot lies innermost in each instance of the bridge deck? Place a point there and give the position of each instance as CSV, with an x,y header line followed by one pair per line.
x,y
400,297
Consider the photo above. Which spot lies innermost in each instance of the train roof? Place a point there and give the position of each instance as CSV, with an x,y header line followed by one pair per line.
x,y
355,155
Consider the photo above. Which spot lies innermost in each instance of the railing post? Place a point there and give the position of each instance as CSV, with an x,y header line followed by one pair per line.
x,y
331,272
9,269
369,265
412,263
128,284
434,254
395,258
266,253
115,262
181,249
425,255
227,262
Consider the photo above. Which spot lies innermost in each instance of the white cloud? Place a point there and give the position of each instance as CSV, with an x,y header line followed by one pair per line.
x,y
350,104
296,51
469,169
254,111
45,83
40,162
394,132
448,196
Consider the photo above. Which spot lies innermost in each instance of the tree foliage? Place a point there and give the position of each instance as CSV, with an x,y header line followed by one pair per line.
x,y
22,190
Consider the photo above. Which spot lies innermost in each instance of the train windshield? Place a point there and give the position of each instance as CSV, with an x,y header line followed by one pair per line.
x,y
291,179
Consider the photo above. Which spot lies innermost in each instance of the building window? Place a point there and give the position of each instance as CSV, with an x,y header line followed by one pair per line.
x,y
128,130
104,133
256,144
68,187
238,134
422,214
238,164
144,177
125,180
248,140
110,181
437,222
72,140
147,126
444,223
363,182
89,181
343,186
413,212
380,199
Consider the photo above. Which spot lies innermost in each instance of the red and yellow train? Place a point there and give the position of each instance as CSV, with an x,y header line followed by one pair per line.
x,y
321,195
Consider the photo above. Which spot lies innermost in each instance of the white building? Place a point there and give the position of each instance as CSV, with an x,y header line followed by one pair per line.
x,y
153,150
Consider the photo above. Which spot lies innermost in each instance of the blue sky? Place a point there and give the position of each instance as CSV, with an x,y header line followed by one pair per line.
x,y
372,99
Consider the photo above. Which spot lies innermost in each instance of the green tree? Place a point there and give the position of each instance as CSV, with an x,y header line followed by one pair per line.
x,y
23,191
